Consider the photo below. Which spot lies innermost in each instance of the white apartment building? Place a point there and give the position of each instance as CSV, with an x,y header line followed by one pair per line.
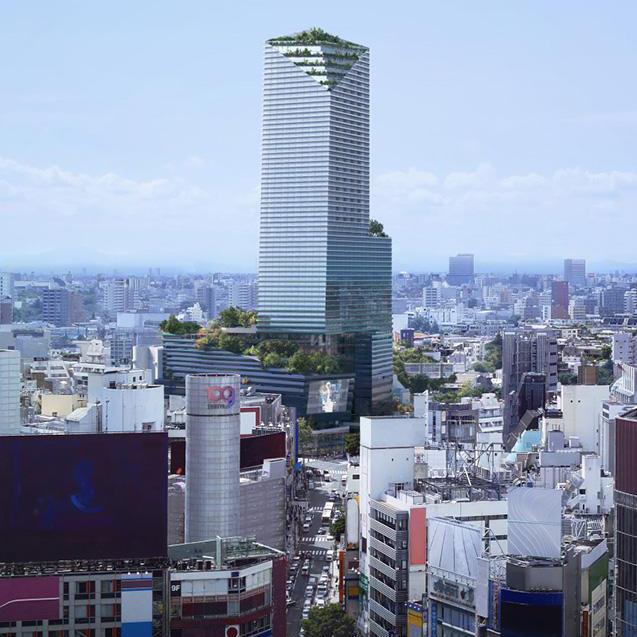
x,y
6,285
10,380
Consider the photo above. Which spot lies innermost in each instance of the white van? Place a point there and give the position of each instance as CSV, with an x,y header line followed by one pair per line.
x,y
329,556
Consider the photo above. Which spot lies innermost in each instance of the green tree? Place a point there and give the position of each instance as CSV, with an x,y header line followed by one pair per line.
x,y
352,444
484,367
273,360
329,621
172,325
494,352
418,383
231,343
376,228
300,363
606,352
306,439
337,528
605,373
566,378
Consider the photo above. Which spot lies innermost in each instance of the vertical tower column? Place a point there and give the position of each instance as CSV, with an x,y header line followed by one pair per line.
x,y
212,456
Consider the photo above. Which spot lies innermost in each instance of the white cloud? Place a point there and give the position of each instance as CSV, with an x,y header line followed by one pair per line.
x,y
91,217
501,217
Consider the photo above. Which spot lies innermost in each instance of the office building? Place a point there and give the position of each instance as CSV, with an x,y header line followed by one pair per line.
x,y
575,272
524,351
630,301
577,309
611,301
95,561
559,300
227,587
10,382
56,306
626,526
206,296
212,456
324,271
6,310
460,269
624,348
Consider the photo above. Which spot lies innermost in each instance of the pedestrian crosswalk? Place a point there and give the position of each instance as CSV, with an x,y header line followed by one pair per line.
x,y
316,538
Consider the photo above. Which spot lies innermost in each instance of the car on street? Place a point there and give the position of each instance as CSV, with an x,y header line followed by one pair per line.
x,y
306,569
329,556
319,603
322,530
306,528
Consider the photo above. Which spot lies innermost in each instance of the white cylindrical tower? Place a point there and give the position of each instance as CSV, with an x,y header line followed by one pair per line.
x,y
212,456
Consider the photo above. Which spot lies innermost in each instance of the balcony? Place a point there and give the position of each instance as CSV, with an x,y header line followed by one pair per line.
x,y
381,611
382,548
376,629
382,567
388,592
382,529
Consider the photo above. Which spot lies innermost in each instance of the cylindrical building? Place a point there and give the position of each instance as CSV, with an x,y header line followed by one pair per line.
x,y
212,456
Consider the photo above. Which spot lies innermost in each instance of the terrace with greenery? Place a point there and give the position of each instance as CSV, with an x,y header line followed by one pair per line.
x,y
329,60
271,352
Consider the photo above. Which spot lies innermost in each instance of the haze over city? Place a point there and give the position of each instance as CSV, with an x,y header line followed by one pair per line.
x,y
502,129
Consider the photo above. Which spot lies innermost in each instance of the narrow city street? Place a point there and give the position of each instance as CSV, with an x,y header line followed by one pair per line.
x,y
315,545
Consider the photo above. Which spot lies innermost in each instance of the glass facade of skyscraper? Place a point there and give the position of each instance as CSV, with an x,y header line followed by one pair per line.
x,y
321,273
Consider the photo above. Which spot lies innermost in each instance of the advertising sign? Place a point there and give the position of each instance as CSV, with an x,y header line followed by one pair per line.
x,y
84,496
221,396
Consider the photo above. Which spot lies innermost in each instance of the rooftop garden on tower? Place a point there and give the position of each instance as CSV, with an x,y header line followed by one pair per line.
x,y
323,56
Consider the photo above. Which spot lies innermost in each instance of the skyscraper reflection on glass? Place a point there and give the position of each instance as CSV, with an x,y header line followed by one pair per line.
x,y
322,275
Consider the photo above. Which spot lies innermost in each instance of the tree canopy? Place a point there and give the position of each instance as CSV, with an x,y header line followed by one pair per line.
x,y
329,621
172,325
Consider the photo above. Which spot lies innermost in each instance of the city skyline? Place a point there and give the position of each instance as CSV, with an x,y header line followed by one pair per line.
x,y
171,144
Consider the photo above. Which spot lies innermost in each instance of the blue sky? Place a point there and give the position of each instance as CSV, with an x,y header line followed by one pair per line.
x,y
130,132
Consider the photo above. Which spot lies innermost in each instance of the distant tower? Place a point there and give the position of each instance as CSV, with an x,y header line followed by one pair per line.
x,y
460,269
212,456
575,272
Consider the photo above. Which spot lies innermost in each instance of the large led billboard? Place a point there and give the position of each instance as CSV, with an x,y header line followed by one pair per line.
x,y
328,396
85,496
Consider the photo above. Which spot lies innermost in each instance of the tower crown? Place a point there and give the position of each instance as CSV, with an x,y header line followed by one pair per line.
x,y
325,57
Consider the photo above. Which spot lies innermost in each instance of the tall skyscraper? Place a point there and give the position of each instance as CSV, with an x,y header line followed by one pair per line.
x,y
460,269
575,272
524,351
559,300
9,392
324,271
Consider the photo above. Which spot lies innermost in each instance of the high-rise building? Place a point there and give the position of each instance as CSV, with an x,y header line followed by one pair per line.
x,y
243,295
55,306
575,272
6,310
6,285
460,269
118,296
206,296
611,301
9,392
212,456
559,300
625,527
524,351
324,269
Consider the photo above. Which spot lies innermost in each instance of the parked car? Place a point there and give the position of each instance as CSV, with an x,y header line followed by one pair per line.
x,y
329,556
